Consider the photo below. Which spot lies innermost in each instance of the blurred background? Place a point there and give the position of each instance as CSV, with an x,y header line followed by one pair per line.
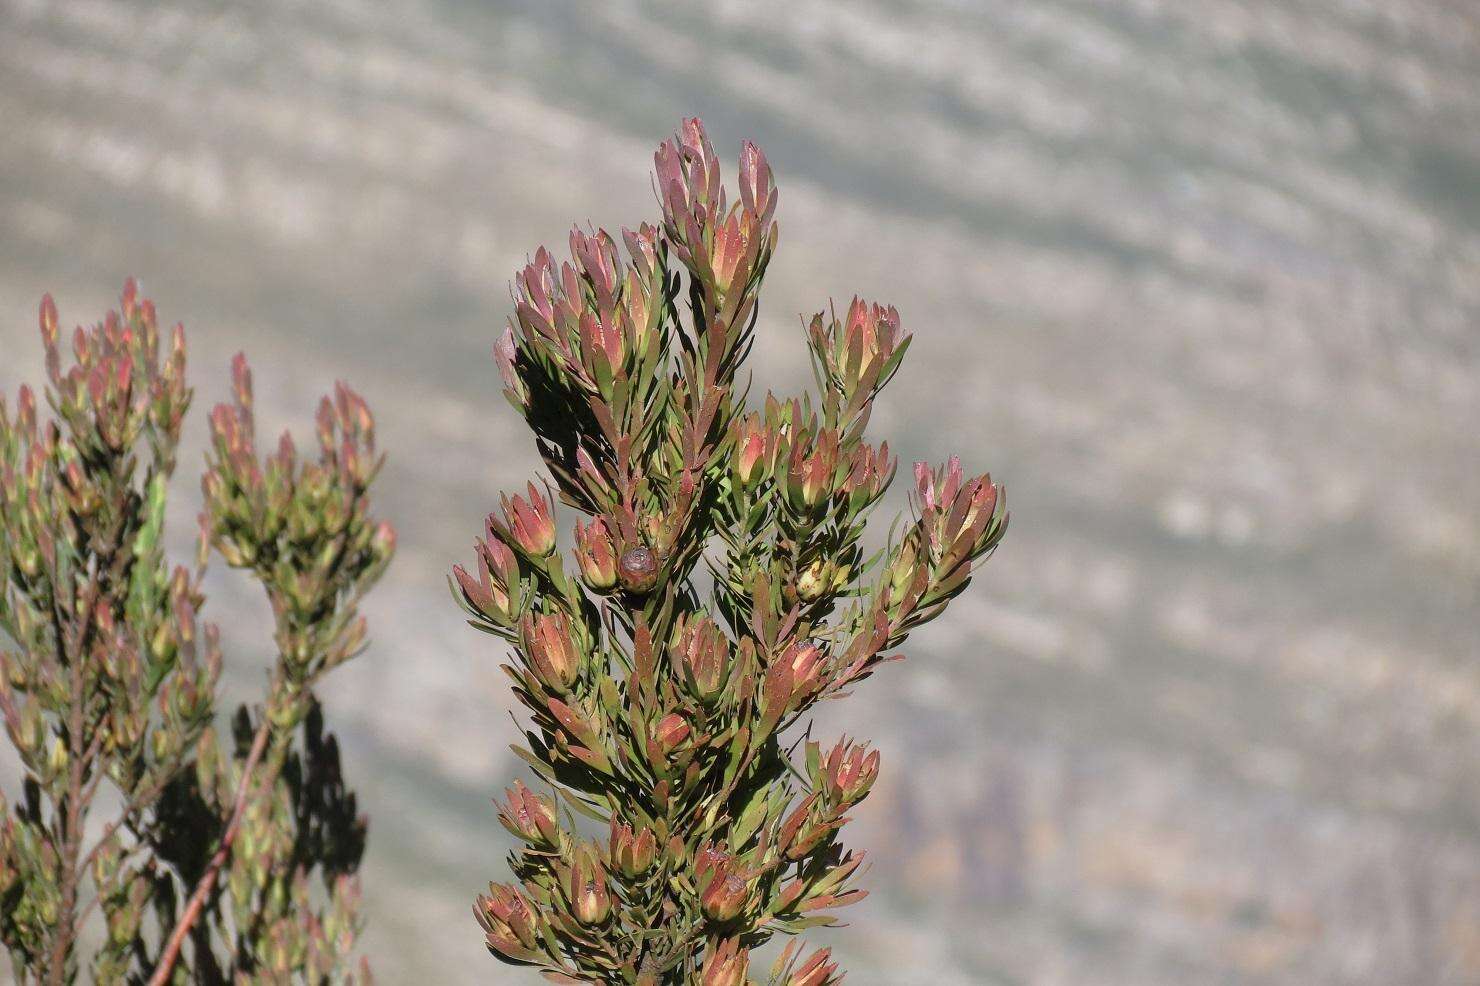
x,y
1199,280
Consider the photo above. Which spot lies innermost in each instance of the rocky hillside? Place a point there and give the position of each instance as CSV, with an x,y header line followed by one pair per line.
x,y
1199,279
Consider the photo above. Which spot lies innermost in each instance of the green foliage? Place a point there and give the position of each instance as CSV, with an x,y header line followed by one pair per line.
x,y
206,870
661,715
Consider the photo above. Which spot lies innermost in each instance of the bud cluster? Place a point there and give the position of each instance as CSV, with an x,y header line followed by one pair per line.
x,y
113,676
659,717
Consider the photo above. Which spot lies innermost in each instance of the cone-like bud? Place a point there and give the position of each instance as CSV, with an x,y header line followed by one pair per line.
x,y
754,450
701,655
848,772
597,554
497,591
638,570
528,524
816,580
818,970
585,888
725,893
554,655
530,817
632,855
726,964
511,923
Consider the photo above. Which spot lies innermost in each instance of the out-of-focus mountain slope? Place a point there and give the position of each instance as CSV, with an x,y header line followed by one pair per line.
x,y
1199,279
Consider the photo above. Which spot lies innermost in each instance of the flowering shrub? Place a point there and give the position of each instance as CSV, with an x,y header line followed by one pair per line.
x,y
683,825
204,871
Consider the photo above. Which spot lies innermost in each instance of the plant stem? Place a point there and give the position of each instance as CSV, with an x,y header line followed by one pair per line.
x,y
207,880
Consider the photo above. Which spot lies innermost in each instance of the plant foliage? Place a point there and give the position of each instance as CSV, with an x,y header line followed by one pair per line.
x,y
717,589
214,859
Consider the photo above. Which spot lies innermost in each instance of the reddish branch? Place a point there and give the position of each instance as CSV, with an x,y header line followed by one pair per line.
x,y
203,888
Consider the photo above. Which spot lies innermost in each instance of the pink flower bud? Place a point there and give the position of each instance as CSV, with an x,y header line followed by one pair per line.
x,y
755,449
858,354
506,356
701,655
810,469
808,669
804,829
632,854
726,894
869,475
603,349
511,922
585,888
530,817
526,524
848,773
792,678
757,188
726,964
733,252
596,553
869,339
551,650
383,541
818,970
596,256
956,515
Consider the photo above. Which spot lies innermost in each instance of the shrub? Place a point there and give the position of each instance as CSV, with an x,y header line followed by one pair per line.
x,y
717,589
204,871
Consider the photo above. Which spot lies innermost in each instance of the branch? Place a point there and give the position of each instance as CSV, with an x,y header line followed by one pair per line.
x,y
207,881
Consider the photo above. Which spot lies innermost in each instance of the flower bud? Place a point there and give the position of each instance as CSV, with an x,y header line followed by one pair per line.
x,y
726,964
383,541
858,353
530,817
585,888
632,855
795,676
551,650
496,592
603,349
638,570
529,524
726,893
955,515
869,474
511,923
848,772
701,654
818,970
755,449
597,555
810,468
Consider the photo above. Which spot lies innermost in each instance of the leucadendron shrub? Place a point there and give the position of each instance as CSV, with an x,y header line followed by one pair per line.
x,y
144,846
717,588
